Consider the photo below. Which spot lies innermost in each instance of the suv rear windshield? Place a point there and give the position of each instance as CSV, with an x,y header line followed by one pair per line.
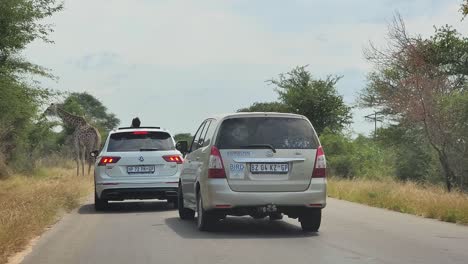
x,y
279,132
140,141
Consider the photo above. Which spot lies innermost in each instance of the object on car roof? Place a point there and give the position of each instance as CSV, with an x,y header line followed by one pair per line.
x,y
136,122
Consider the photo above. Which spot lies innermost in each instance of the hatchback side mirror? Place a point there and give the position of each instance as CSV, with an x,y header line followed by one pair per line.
x,y
94,153
182,146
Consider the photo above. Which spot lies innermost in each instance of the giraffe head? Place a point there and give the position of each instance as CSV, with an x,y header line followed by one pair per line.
x,y
52,109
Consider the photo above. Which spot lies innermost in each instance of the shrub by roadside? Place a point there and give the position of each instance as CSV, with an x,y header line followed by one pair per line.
x,y
29,204
424,200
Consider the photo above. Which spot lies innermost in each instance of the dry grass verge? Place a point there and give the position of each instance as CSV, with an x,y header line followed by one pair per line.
x,y
29,204
427,201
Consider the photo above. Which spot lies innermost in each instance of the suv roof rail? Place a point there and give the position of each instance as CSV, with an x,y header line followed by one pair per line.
x,y
120,128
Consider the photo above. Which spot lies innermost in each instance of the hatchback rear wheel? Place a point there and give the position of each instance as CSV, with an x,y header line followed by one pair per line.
x,y
184,213
310,220
205,220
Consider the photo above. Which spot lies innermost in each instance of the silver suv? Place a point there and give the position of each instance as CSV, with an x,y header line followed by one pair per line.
x,y
137,163
257,164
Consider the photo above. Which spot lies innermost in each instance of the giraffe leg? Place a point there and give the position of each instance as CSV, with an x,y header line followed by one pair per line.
x,y
89,166
83,160
77,157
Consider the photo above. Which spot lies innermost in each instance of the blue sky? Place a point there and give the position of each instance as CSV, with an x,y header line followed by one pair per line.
x,y
173,63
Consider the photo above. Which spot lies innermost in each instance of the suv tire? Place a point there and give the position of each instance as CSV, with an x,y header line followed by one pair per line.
x,y
174,202
310,221
100,204
184,213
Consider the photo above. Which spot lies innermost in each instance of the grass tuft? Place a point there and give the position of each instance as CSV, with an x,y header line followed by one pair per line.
x,y
424,200
28,204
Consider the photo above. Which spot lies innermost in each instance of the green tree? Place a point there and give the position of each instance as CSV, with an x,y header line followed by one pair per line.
x,y
92,109
88,106
183,137
316,99
416,82
19,26
361,157
19,99
464,8
18,140
414,158
266,107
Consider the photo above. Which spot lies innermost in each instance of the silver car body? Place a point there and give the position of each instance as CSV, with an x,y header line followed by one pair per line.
x,y
242,188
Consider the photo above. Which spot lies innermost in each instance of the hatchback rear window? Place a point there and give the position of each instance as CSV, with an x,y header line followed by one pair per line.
x,y
140,141
279,132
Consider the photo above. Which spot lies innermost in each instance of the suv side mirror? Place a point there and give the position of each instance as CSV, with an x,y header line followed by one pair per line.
x,y
94,153
182,146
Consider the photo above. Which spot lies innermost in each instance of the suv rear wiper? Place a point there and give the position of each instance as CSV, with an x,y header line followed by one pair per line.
x,y
149,149
254,146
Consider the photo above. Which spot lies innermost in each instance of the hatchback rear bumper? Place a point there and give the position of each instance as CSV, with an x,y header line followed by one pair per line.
x,y
218,194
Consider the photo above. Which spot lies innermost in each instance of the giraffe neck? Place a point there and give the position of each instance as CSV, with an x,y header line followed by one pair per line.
x,y
70,119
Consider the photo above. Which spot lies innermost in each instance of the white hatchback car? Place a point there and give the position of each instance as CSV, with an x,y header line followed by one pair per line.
x,y
137,163
257,164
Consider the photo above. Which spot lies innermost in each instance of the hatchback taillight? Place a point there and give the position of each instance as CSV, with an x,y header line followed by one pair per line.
x,y
174,158
108,160
215,165
320,167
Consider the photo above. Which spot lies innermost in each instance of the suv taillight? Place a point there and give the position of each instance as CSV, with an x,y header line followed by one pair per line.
x,y
108,160
215,166
320,166
174,158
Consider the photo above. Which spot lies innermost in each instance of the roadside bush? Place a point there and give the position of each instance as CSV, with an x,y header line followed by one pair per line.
x,y
414,159
356,158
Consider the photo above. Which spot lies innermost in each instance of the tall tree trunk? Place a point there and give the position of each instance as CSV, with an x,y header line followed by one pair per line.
x,y
449,174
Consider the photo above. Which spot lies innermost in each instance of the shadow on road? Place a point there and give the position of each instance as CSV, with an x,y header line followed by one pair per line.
x,y
128,207
238,228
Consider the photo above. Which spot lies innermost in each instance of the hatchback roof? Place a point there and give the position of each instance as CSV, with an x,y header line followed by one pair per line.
x,y
256,114
120,128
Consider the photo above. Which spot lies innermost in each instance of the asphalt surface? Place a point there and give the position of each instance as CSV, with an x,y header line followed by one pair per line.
x,y
151,232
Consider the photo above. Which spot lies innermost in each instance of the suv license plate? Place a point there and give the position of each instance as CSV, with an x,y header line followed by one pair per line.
x,y
140,169
268,168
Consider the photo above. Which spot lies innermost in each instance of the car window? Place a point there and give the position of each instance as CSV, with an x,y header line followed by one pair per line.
x,y
201,138
137,140
194,144
209,133
280,132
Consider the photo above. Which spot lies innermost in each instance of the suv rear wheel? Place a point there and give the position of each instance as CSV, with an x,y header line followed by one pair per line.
x,y
174,202
310,221
100,204
205,220
184,213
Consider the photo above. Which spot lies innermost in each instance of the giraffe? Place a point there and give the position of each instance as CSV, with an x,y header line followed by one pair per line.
x,y
86,138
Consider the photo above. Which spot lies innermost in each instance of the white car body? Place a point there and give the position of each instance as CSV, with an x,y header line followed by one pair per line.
x,y
137,173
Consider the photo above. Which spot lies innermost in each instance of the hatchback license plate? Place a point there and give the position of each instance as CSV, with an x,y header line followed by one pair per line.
x,y
140,169
258,168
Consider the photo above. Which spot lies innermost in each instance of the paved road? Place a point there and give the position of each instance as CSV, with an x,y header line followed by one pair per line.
x,y
150,232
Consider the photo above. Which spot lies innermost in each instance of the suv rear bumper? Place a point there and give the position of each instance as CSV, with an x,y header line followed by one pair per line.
x,y
218,194
139,193
126,191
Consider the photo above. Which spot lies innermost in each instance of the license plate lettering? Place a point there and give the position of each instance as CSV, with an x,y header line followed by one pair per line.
x,y
258,168
140,169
